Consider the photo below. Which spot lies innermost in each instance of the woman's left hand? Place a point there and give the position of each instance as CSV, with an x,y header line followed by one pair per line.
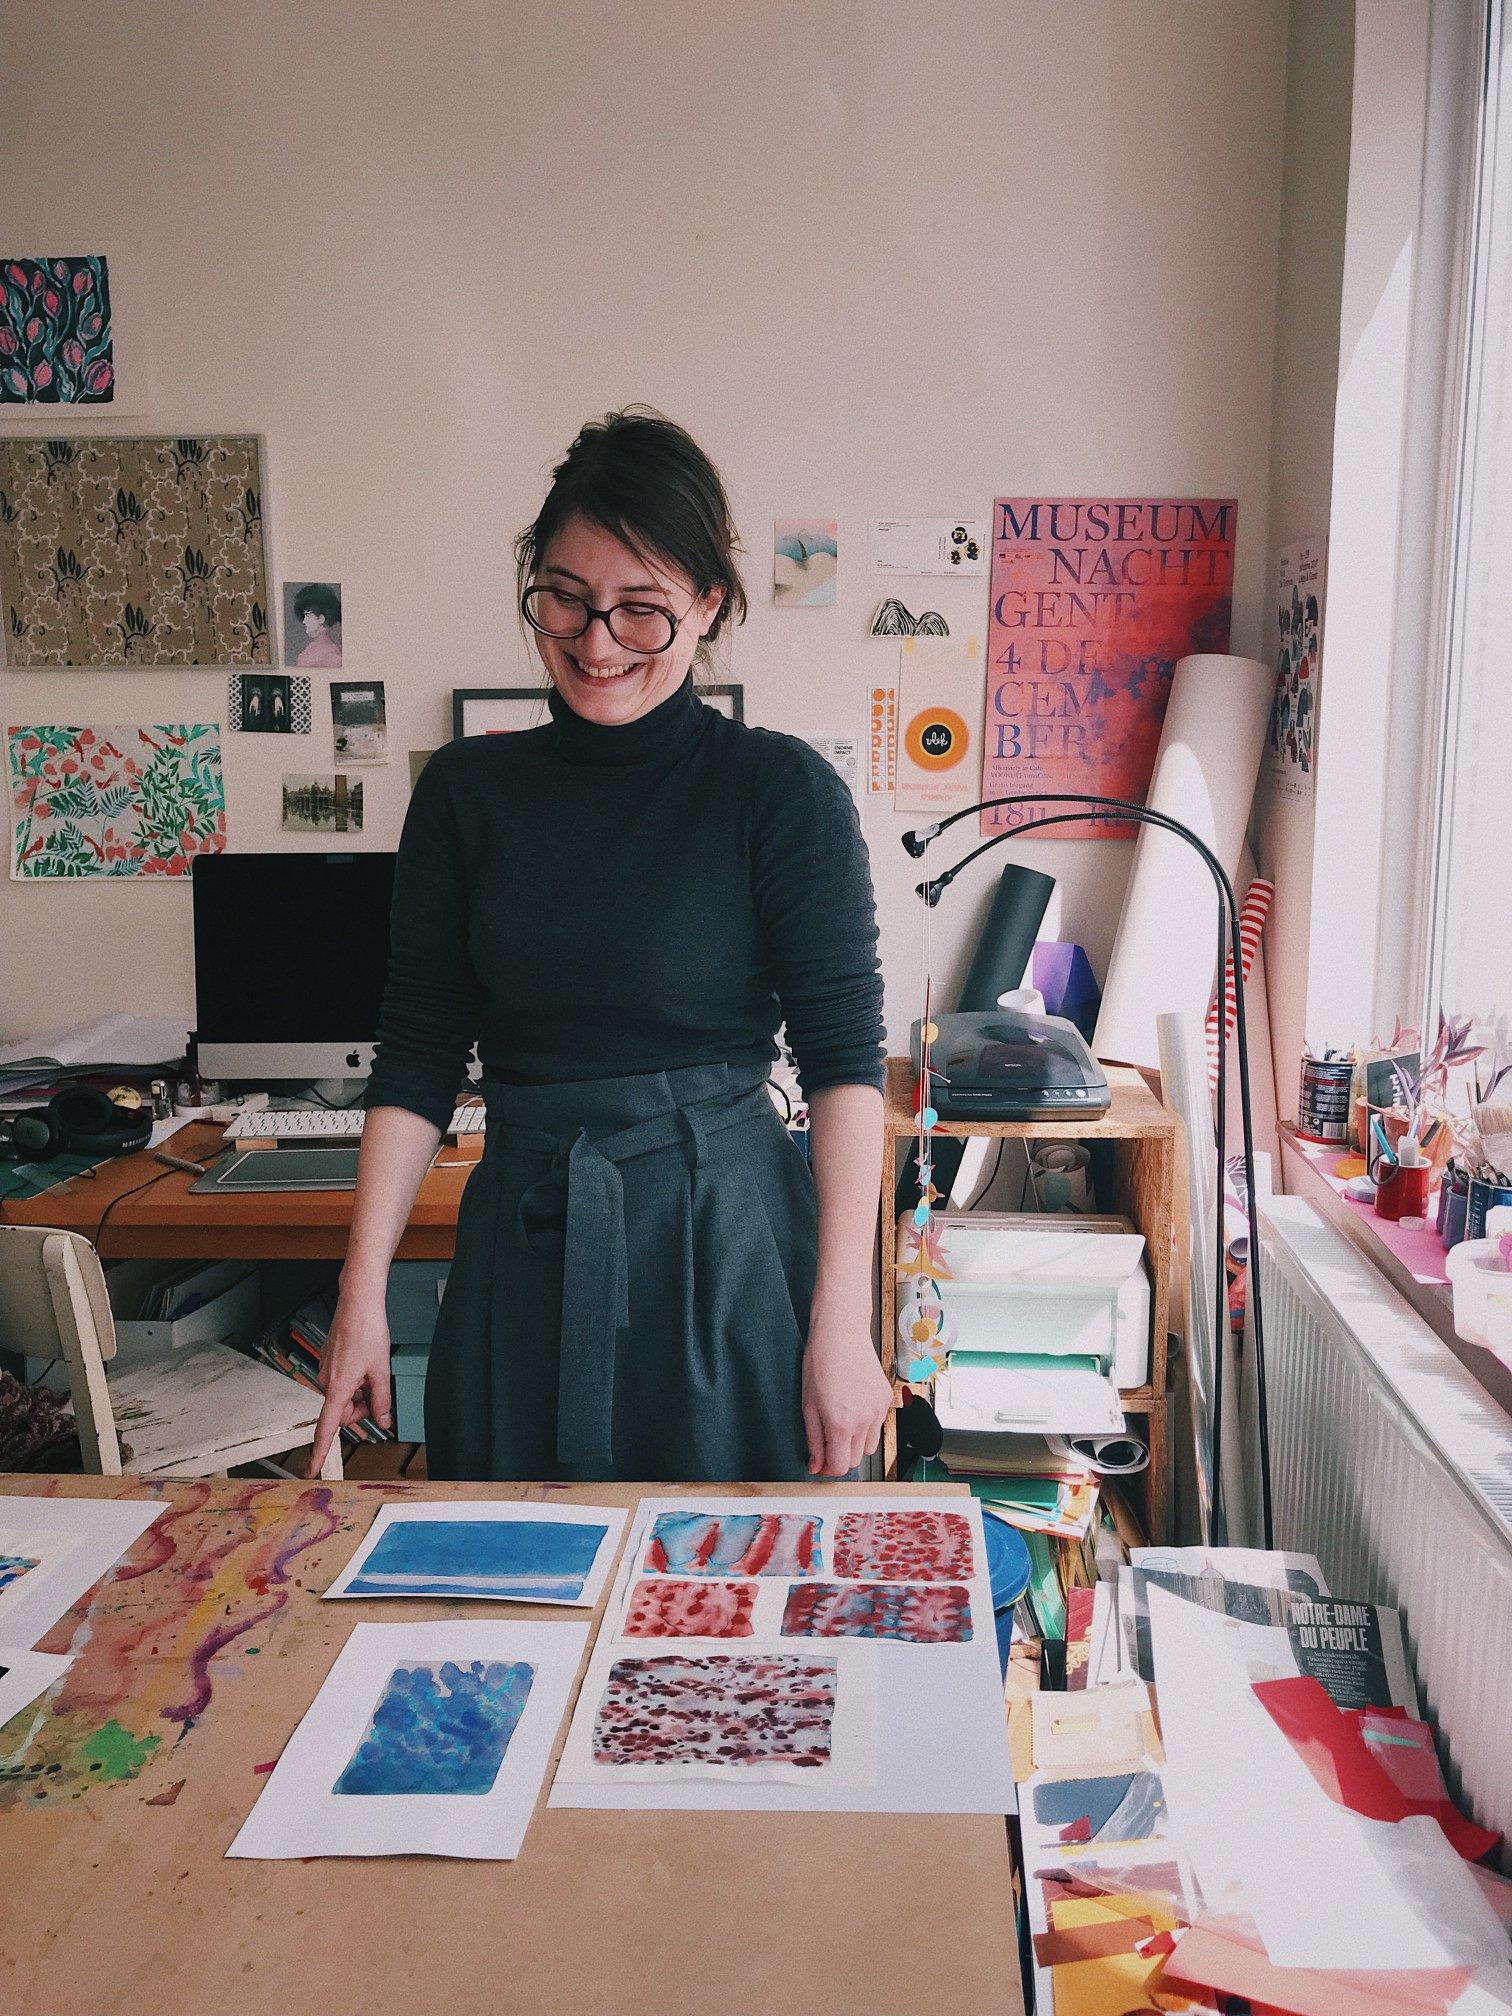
x,y
846,1395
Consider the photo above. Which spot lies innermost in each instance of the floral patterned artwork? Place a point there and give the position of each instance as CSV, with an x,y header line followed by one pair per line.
x,y
133,552
55,336
114,801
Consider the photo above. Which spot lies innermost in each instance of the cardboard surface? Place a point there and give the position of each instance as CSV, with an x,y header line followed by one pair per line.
x,y
117,1895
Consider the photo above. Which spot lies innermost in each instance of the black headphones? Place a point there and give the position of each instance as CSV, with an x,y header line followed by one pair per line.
x,y
81,1121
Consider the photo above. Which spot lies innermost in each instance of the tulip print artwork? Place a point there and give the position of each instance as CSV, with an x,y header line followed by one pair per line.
x,y
55,335
114,801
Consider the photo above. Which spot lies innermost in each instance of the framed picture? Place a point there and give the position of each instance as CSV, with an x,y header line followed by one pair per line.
x,y
496,710
728,700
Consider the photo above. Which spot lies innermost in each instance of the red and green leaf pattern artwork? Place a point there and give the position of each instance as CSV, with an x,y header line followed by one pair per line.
x,y
114,801
55,334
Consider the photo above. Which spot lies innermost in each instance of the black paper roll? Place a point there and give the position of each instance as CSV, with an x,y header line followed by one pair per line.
x,y
998,965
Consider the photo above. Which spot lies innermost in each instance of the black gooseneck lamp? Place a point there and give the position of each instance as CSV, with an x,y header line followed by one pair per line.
x,y
1230,962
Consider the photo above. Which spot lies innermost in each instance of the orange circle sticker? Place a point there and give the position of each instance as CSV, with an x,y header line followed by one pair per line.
x,y
936,738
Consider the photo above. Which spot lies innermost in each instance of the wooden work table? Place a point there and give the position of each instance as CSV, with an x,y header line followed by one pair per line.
x,y
120,1794
164,1219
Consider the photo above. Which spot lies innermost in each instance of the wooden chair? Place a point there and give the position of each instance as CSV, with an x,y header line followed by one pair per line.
x,y
191,1410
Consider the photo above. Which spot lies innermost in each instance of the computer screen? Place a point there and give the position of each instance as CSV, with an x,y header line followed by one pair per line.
x,y
290,953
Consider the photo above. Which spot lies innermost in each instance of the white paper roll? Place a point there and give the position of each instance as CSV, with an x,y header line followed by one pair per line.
x,y
1205,770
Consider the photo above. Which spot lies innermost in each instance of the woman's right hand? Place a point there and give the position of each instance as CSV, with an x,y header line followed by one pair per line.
x,y
354,1373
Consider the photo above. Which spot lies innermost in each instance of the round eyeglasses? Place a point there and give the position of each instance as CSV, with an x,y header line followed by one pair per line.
x,y
642,627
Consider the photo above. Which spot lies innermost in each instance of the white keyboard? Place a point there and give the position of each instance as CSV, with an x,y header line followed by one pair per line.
x,y
314,1124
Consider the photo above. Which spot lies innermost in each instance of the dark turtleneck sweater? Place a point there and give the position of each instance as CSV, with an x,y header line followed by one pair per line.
x,y
588,901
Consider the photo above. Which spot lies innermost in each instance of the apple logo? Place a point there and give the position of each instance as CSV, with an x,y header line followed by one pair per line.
x,y
354,1058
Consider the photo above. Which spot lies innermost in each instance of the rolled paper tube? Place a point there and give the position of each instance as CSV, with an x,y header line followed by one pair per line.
x,y
1058,1175
1110,1455
1205,770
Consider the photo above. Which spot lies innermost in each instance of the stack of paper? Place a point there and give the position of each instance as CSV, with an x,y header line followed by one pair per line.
x,y
39,1064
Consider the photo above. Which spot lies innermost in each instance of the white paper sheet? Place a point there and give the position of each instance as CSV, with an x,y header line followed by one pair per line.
x,y
942,546
428,1568
302,1813
1326,1887
75,1541
941,1735
25,1675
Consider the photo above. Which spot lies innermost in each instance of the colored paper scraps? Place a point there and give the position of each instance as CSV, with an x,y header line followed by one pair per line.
x,y
932,1616
1352,1757
903,1547
425,1739
690,1610
740,1543
1123,1806
480,1550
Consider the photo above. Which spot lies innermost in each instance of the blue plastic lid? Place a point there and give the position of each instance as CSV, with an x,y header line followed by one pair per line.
x,y
1007,1561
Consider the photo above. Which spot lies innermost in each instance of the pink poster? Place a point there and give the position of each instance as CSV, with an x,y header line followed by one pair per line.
x,y
1093,601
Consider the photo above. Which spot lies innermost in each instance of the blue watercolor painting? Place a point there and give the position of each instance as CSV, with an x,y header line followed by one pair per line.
x,y
13,1567
528,1560
440,1728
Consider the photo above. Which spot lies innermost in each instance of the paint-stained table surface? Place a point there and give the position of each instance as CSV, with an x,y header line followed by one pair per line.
x,y
121,1790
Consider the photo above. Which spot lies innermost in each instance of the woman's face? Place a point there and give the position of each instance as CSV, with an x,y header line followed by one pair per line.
x,y
313,622
597,676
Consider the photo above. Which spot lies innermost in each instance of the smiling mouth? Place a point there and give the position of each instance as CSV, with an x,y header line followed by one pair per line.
x,y
604,675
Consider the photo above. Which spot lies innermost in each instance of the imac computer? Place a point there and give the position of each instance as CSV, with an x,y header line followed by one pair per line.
x,y
290,957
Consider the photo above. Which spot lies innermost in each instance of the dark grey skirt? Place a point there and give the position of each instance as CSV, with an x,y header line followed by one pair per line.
x,y
630,1293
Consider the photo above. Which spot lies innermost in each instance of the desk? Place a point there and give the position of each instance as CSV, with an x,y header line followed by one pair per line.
x,y
196,1663
170,1221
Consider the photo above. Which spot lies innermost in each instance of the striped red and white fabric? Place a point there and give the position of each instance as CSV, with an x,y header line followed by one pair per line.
x,y
1253,912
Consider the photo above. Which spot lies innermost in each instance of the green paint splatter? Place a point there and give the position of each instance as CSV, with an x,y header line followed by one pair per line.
x,y
116,1752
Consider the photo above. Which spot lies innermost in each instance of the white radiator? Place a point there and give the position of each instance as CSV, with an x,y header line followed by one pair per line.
x,y
1394,1467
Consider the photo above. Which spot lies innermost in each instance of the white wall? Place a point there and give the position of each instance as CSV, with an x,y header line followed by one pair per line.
x,y
879,258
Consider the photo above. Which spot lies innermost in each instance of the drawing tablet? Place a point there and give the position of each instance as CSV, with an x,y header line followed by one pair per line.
x,y
247,1169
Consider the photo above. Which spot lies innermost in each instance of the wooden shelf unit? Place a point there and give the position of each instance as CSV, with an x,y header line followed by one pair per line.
x,y
1143,1134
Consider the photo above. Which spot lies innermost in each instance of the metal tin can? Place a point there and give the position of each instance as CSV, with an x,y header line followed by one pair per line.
x,y
1323,1101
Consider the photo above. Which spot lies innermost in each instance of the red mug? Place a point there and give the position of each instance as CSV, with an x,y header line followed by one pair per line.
x,y
1402,1192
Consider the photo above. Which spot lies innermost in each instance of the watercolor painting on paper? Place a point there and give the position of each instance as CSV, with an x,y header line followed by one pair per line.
x,y
690,1610
440,1728
525,1561
56,340
114,801
933,1616
903,1547
726,1711
14,1566
805,556
734,1543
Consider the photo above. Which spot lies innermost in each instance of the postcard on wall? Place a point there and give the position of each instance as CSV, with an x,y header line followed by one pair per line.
x,y
787,1654
114,801
53,1550
425,1739
322,804
514,1553
358,721
843,753
939,721
1291,740
268,703
805,559
1093,600
133,552
929,546
312,624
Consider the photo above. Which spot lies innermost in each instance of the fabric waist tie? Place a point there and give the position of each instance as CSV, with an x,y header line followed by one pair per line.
x,y
584,1220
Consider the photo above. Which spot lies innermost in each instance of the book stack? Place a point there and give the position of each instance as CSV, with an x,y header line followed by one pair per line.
x,y
296,1346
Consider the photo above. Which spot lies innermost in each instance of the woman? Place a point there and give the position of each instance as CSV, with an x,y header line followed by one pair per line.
x,y
621,906
318,607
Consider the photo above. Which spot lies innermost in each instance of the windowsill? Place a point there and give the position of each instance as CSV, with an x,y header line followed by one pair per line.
x,y
1411,1259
